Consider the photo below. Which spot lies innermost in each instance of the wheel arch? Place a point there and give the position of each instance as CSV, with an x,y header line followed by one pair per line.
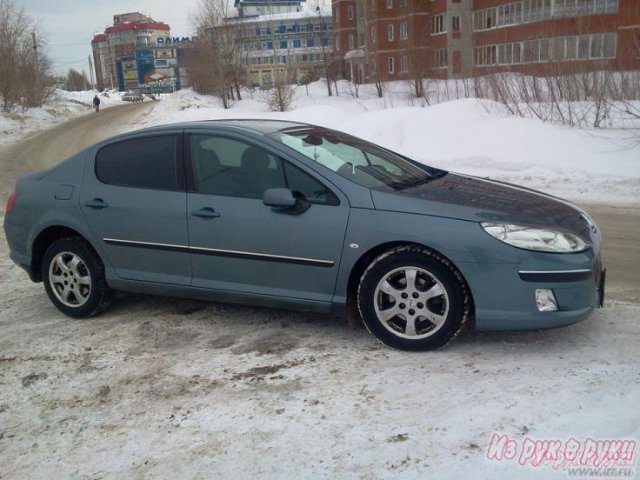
x,y
45,238
366,258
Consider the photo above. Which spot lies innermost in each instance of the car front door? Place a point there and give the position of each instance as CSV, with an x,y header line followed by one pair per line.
x,y
238,244
134,201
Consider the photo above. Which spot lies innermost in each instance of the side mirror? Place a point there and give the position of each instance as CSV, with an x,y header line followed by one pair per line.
x,y
284,199
279,198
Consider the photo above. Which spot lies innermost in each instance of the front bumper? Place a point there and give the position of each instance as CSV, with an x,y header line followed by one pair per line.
x,y
504,295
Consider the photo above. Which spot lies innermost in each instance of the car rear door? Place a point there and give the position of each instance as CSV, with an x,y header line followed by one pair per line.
x,y
239,244
133,200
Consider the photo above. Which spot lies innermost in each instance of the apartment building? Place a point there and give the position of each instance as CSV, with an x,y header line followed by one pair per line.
x,y
401,39
114,51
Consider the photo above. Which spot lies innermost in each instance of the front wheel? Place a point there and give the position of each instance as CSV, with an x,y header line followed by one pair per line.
x,y
74,278
411,299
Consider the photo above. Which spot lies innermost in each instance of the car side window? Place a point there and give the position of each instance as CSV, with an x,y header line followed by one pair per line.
x,y
148,162
229,167
308,187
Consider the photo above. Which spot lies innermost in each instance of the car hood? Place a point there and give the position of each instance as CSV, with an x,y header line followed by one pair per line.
x,y
479,200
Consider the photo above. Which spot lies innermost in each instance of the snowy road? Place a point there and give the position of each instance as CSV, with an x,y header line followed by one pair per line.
x,y
163,388
43,149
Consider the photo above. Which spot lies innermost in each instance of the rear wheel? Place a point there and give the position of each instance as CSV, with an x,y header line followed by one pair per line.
x,y
411,299
74,278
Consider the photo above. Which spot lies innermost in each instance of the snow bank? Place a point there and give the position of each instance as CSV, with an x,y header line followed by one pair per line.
x,y
586,165
60,107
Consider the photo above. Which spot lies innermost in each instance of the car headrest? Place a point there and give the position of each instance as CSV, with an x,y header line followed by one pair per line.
x,y
209,163
254,158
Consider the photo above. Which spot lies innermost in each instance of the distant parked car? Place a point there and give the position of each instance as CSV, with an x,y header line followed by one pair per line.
x,y
132,97
292,215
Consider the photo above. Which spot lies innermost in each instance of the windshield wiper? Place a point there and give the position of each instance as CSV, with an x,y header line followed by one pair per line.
x,y
422,181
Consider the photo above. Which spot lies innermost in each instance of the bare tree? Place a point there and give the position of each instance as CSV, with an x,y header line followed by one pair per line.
x,y
76,81
280,97
418,68
216,66
23,65
305,79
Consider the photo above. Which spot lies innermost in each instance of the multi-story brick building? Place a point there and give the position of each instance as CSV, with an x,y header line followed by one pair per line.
x,y
397,39
114,51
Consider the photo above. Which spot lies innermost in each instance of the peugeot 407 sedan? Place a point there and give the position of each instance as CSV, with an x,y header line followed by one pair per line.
x,y
291,215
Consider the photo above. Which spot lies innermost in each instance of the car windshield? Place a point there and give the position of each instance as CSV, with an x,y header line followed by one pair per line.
x,y
356,160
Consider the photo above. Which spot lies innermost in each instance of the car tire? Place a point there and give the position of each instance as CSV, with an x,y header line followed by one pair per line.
x,y
412,299
73,278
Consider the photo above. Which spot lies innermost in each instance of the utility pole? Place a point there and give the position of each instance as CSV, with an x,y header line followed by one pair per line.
x,y
35,46
36,65
91,72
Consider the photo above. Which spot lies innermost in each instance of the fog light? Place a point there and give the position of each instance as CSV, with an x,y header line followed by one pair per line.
x,y
546,300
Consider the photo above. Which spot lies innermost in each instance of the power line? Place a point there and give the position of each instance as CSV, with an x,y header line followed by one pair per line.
x,y
66,44
82,60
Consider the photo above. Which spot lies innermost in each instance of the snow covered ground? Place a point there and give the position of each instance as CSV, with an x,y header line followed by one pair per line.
x,y
166,389
586,165
60,107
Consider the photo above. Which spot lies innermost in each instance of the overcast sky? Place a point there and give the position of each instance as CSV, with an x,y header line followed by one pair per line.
x,y
70,24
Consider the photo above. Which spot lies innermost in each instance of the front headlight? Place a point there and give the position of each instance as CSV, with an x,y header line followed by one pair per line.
x,y
534,238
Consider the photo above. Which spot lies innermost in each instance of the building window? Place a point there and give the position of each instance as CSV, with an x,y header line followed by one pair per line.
x,y
485,55
455,23
389,4
351,42
583,47
391,65
404,63
440,58
404,31
437,24
337,43
374,34
350,12
390,33
336,13
373,5
509,54
404,3
527,11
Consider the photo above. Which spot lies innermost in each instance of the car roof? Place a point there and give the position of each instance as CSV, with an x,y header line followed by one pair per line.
x,y
261,126
253,125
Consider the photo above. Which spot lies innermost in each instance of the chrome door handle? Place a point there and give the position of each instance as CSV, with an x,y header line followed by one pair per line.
x,y
96,203
206,212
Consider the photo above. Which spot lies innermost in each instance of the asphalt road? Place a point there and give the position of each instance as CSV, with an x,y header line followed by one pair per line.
x,y
620,225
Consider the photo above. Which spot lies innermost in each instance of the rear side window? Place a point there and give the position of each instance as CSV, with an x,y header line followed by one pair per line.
x,y
148,162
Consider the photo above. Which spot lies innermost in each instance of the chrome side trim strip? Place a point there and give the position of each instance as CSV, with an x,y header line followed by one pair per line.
x,y
583,270
142,244
222,252
328,263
